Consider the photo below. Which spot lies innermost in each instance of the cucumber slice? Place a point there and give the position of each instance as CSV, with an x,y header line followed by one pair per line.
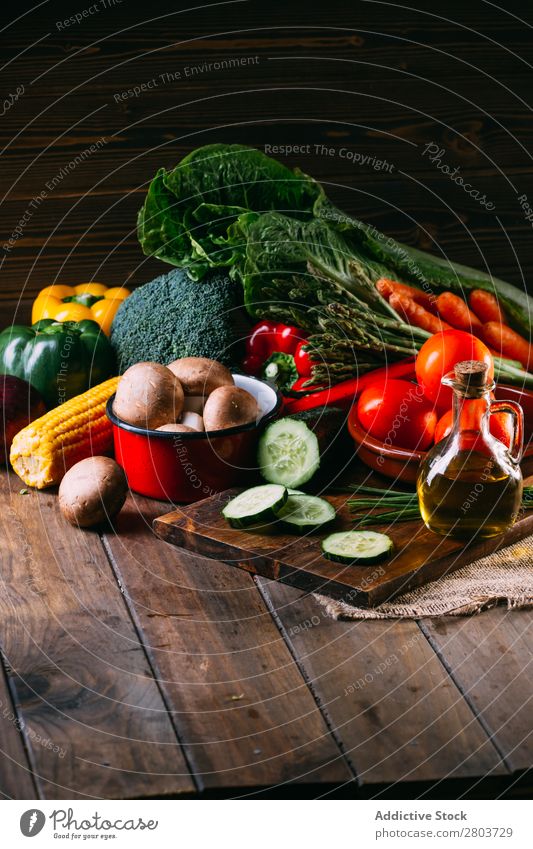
x,y
288,453
305,512
364,547
254,506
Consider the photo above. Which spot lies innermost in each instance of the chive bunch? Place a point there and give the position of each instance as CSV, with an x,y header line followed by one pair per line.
x,y
397,506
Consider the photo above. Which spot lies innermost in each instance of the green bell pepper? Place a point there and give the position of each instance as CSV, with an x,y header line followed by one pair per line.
x,y
60,359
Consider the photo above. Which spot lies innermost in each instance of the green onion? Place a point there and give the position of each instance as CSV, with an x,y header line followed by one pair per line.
x,y
401,506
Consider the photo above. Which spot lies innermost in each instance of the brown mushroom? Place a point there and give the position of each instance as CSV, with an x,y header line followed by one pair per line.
x,y
148,395
92,491
229,406
200,376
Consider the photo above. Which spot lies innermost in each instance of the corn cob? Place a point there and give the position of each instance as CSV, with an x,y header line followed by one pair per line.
x,y
43,451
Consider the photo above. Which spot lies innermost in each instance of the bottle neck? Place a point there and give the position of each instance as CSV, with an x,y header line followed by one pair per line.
x,y
471,414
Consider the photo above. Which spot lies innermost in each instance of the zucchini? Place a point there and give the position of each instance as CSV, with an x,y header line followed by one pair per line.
x,y
305,513
255,506
288,453
357,547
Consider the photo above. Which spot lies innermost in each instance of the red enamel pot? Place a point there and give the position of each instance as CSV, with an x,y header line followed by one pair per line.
x,y
186,467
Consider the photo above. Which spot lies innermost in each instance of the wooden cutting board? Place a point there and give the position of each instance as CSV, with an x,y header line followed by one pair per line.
x,y
420,556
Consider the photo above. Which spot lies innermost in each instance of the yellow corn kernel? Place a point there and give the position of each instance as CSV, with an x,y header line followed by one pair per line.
x,y
43,451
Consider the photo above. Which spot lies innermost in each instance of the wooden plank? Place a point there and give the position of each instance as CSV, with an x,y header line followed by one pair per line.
x,y
490,657
244,712
419,555
16,781
79,673
397,712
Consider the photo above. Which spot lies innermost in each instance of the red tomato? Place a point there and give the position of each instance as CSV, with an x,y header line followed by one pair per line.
x,y
302,360
440,354
501,424
397,413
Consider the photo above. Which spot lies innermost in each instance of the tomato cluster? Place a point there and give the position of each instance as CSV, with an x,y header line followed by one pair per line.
x,y
415,415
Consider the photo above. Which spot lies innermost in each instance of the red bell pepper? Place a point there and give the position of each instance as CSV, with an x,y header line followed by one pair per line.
x,y
344,394
267,338
302,360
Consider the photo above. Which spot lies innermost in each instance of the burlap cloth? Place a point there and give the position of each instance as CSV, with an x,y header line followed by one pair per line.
x,y
506,576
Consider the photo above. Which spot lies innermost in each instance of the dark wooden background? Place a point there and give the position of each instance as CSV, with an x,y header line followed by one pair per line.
x,y
375,77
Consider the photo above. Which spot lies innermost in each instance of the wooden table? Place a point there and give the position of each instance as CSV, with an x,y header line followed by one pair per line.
x,y
134,669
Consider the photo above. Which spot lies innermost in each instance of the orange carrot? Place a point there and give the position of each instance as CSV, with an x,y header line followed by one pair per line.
x,y
386,287
454,310
509,343
415,314
486,306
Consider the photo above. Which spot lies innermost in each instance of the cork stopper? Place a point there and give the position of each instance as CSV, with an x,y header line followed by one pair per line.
x,y
471,374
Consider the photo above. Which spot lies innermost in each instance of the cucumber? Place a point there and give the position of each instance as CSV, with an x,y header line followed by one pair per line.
x,y
257,505
305,513
362,547
327,423
288,453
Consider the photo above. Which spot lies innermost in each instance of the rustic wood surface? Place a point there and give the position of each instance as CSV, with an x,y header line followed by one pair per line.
x,y
419,555
222,664
130,668
394,705
138,669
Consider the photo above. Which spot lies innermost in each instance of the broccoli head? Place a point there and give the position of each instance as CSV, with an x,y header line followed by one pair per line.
x,y
174,316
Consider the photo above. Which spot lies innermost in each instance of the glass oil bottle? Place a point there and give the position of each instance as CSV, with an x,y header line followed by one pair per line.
x,y
470,484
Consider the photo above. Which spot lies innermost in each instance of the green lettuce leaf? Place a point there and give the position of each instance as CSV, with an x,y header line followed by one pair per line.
x,y
188,213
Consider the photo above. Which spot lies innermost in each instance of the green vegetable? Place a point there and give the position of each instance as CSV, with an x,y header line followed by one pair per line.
x,y
395,506
357,547
295,254
193,215
288,453
329,425
59,359
173,317
303,512
313,444
255,506
188,211
280,369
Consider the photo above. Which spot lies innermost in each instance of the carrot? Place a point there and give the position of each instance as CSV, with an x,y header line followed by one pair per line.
x,y
486,306
386,287
454,310
415,314
509,343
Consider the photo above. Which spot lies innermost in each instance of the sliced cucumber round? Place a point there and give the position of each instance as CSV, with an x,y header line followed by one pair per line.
x,y
305,512
363,547
257,505
288,453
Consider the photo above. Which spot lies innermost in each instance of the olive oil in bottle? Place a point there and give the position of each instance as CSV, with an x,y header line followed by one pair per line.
x,y
470,485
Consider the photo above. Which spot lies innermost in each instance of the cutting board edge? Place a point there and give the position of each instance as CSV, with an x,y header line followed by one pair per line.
x,y
174,528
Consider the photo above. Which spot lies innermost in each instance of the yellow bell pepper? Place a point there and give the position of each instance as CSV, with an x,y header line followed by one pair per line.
x,y
92,301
